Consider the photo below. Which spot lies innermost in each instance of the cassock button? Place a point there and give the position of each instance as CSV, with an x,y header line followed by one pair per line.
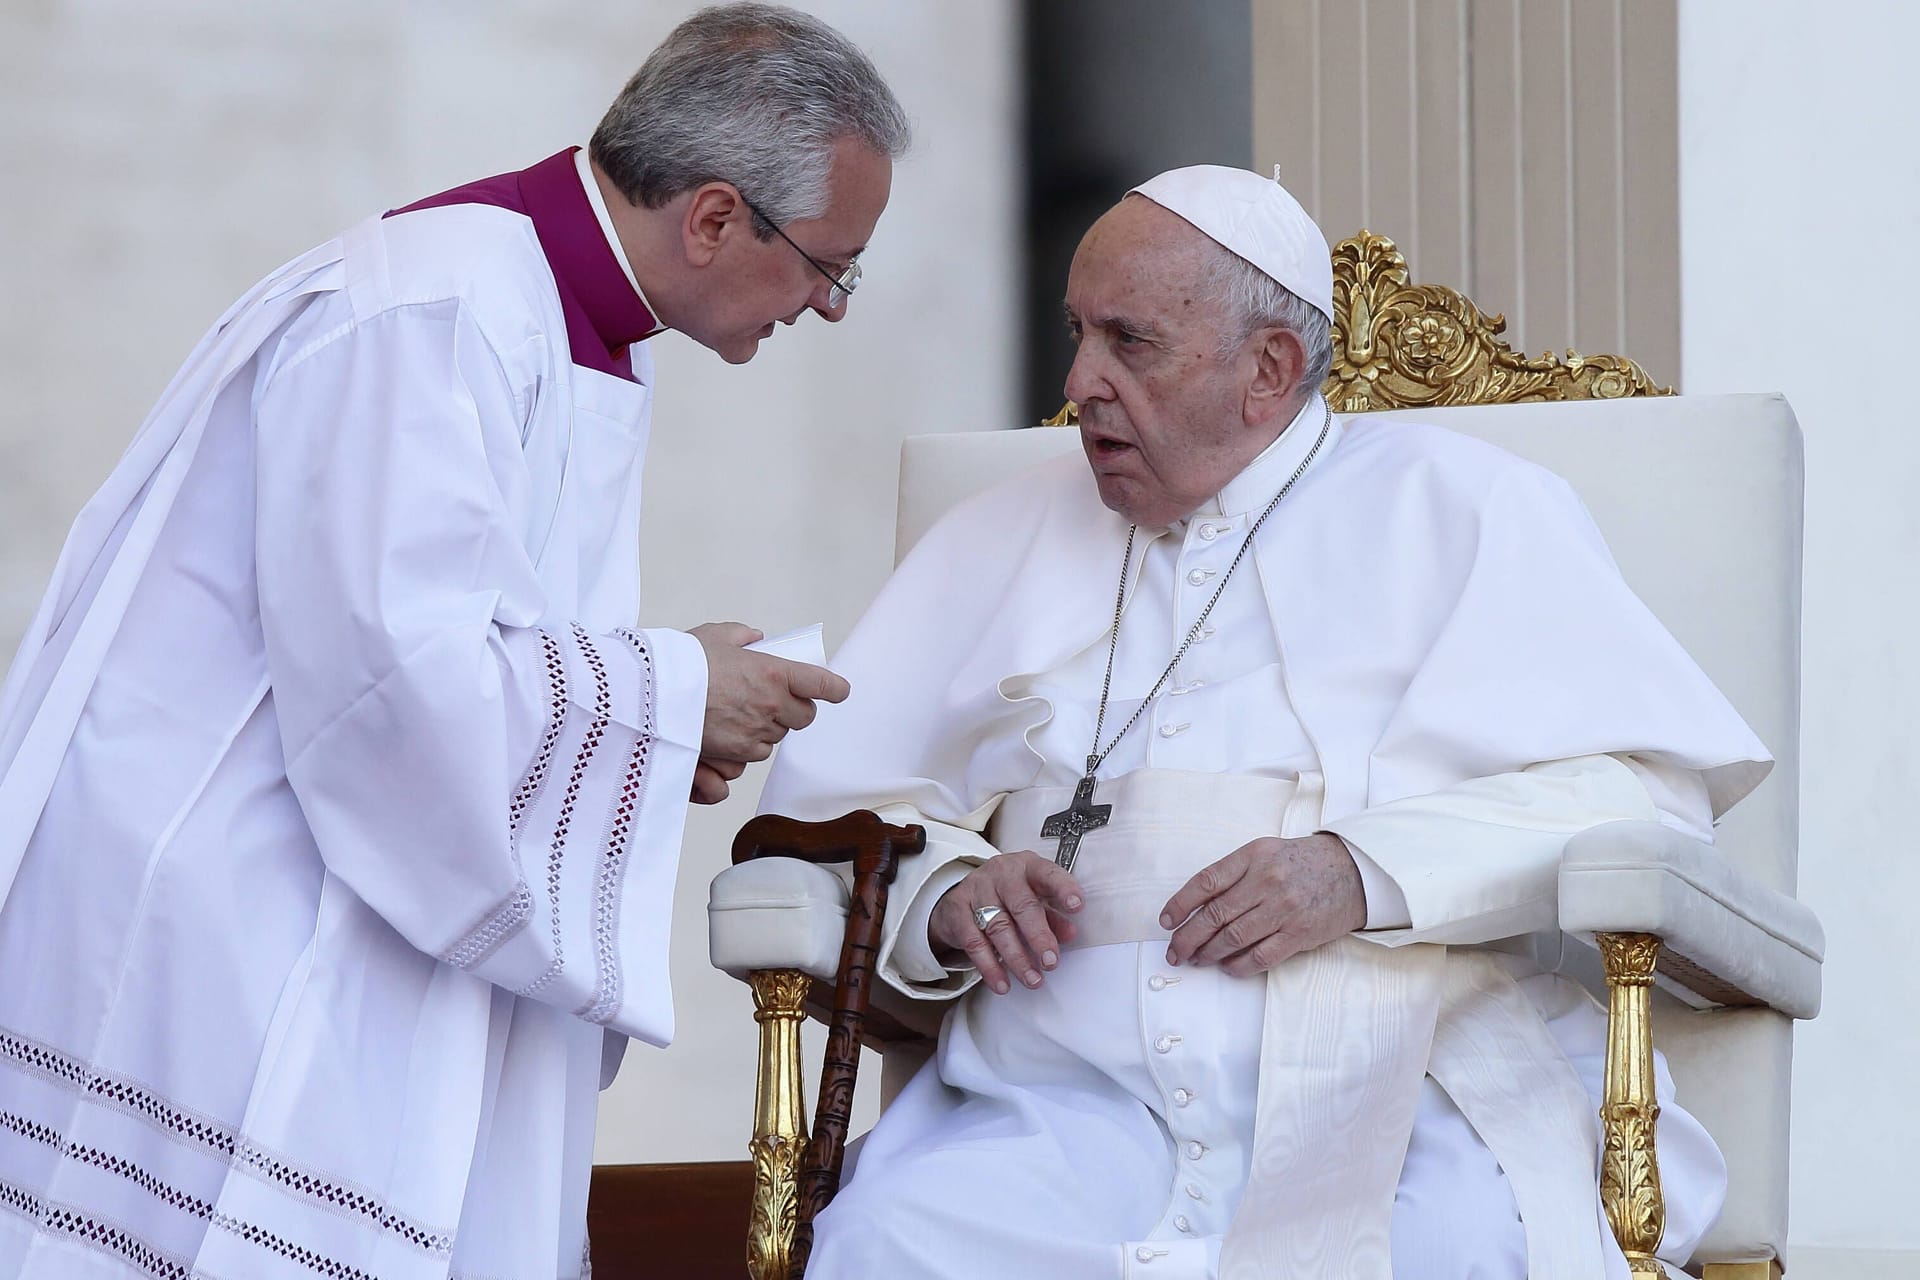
x,y
1144,1253
1195,1150
1199,576
1156,983
1194,1193
1209,532
1174,730
1180,1221
1181,1097
1165,1044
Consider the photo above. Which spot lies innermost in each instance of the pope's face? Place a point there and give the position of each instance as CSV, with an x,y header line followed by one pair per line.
x,y
1162,411
761,283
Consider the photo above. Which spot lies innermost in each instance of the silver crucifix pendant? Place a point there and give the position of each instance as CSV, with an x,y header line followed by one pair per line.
x,y
1074,821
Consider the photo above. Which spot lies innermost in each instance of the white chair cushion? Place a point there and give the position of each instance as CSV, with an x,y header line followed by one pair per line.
x,y
1642,877
777,913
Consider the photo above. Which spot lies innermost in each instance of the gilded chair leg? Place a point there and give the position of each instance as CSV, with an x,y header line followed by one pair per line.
x,y
1768,1270
779,1121
1629,1167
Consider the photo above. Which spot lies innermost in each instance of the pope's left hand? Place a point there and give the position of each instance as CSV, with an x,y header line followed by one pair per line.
x,y
1266,901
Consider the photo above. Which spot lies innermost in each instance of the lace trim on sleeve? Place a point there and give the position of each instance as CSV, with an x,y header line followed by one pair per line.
x,y
504,920
614,852
596,731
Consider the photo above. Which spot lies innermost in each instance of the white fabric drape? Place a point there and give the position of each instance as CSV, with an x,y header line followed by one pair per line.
x,y
343,800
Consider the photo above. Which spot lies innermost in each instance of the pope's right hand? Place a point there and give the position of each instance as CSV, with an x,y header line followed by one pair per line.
x,y
753,699
1035,899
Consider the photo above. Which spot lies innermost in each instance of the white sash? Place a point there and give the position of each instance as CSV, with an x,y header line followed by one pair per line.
x,y
1350,1031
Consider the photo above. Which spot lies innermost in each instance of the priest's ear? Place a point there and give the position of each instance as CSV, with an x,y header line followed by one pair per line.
x,y
1280,365
714,212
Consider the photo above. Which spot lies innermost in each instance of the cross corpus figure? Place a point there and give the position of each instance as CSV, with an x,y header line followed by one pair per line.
x,y
1074,821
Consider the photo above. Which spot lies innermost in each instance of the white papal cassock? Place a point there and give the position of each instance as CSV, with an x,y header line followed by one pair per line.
x,y
1429,653
342,802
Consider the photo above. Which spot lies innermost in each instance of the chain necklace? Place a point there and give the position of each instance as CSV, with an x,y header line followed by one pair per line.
x,y
1083,815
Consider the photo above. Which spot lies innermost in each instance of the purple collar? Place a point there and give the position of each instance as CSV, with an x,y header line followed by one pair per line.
x,y
604,314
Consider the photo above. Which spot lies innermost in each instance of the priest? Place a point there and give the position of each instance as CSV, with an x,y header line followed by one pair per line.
x,y
342,797
1247,745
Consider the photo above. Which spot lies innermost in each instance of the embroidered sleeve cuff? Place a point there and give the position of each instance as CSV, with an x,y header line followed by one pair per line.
x,y
680,687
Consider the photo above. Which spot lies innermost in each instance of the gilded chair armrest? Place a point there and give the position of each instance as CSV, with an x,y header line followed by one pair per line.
x,y
777,913
1726,938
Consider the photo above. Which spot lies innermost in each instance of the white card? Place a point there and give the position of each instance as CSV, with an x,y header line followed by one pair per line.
x,y
803,644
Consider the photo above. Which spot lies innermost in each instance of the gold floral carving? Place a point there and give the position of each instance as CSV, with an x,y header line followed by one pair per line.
x,y
1630,1182
1399,345
1629,958
779,1121
1629,1166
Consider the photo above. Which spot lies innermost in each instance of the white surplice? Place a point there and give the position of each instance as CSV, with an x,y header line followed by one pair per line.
x,y
1429,647
342,802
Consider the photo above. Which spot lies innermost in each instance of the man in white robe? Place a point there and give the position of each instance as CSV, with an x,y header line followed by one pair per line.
x,y
1282,1017
342,800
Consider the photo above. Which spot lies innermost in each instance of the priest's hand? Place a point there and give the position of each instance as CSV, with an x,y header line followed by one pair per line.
x,y
753,699
1035,897
1264,902
711,779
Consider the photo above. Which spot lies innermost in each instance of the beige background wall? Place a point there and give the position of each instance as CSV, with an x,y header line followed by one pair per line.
x,y
155,158
1800,207
1521,150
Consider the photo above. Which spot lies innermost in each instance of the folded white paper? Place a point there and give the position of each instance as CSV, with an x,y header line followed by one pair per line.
x,y
801,645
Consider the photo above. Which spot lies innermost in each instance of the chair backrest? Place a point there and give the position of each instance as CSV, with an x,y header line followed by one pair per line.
x,y
1698,496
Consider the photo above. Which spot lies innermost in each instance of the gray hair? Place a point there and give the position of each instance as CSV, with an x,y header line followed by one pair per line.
x,y
1254,300
752,94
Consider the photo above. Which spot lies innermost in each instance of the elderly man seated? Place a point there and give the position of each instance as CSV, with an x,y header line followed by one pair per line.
x,y
1247,748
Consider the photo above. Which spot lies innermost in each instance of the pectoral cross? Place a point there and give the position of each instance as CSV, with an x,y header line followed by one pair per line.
x,y
1074,821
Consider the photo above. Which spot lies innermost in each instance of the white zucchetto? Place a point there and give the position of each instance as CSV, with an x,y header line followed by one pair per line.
x,y
1254,217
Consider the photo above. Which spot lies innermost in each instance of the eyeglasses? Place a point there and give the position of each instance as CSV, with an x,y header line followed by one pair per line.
x,y
843,283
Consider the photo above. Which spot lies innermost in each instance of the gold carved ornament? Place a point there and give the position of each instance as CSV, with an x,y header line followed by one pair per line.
x,y
1400,345
780,1122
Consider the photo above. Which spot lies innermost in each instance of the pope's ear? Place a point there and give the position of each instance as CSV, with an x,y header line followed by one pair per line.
x,y
714,213
1280,362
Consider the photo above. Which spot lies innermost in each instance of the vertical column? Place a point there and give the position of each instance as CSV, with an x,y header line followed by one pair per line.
x,y
779,1121
1630,1109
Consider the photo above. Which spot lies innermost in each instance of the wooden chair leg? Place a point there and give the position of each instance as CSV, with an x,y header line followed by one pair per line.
x,y
779,1121
1630,1110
